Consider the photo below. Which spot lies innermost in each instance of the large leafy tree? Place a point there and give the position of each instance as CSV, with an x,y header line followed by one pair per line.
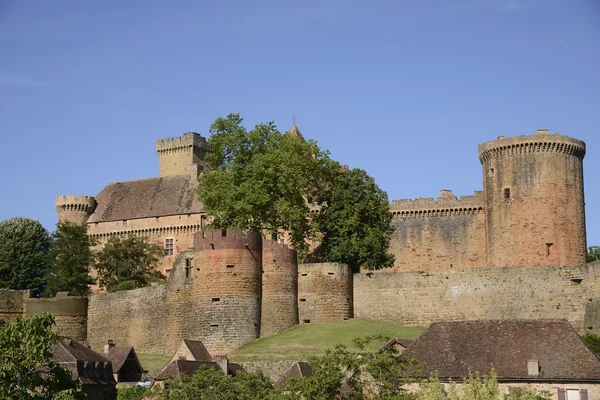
x,y
261,179
266,180
128,258
26,369
71,257
356,224
24,247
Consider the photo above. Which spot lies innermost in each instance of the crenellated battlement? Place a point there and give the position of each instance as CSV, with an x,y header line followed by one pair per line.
x,y
187,140
69,203
446,204
218,239
540,142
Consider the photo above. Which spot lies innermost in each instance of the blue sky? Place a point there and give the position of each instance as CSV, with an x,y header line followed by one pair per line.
x,y
403,89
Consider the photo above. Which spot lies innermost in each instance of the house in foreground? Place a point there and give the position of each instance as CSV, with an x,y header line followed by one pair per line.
x,y
91,369
125,363
542,354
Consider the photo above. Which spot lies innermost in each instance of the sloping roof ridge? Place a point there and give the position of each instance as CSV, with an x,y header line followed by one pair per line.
x,y
148,179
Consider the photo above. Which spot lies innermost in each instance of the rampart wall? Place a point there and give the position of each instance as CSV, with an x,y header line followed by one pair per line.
x,y
421,298
438,234
13,303
70,314
324,292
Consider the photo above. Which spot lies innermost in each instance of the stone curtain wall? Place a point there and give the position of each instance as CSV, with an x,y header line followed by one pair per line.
x,y
324,292
438,234
421,298
70,314
13,303
279,309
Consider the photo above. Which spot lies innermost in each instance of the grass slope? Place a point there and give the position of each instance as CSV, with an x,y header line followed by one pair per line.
x,y
300,341
154,363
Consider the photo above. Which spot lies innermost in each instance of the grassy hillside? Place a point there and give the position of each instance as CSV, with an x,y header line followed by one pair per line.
x,y
301,341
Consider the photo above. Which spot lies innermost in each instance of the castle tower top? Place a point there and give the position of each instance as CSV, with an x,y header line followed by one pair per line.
x,y
540,142
75,209
294,131
182,155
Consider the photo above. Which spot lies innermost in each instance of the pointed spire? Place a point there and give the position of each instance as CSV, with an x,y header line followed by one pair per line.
x,y
294,131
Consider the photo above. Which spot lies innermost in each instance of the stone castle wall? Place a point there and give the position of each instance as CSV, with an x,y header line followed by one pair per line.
x,y
70,314
421,298
440,234
324,292
13,303
279,309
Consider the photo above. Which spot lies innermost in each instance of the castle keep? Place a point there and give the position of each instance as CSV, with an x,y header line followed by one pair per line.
x,y
515,250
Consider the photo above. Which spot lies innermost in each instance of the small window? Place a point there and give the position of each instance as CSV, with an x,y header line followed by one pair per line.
x,y
506,193
96,224
212,246
124,222
306,321
274,236
169,246
157,218
330,273
203,221
230,266
491,172
215,299
214,325
188,272
548,246
189,215
188,262
223,232
302,299
304,274
282,241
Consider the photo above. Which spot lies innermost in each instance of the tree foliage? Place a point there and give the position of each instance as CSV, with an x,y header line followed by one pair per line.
x,y
128,258
24,247
26,369
356,224
593,254
260,179
267,181
71,256
593,342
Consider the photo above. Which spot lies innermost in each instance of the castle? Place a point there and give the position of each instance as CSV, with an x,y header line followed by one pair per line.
x,y
516,250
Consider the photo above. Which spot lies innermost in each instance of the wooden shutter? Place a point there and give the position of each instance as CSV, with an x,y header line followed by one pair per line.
x,y
583,394
561,394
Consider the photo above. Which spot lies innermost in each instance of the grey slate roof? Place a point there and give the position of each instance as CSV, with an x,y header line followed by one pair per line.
x,y
452,349
75,357
143,198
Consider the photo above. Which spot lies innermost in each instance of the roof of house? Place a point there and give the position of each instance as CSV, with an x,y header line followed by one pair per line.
x,y
143,198
199,352
183,367
403,342
453,349
119,355
294,131
75,356
298,369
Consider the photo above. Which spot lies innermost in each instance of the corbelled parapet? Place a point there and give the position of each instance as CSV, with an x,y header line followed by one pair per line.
x,y
187,140
542,142
75,209
446,203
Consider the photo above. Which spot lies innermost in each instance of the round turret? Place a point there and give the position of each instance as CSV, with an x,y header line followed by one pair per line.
x,y
324,292
228,288
75,209
533,187
279,288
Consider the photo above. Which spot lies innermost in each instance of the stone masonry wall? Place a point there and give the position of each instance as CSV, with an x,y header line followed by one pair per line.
x,y
324,292
421,298
13,303
70,314
438,234
279,309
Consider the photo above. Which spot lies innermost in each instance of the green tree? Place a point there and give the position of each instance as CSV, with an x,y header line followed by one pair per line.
x,y
356,225
134,393
128,258
212,384
593,254
70,255
24,247
26,369
260,179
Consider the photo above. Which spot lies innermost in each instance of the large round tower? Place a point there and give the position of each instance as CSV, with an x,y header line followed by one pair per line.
x,y
325,292
279,288
228,288
75,209
533,187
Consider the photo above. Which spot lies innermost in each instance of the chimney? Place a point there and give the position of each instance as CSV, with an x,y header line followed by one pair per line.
x,y
542,131
533,368
109,345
